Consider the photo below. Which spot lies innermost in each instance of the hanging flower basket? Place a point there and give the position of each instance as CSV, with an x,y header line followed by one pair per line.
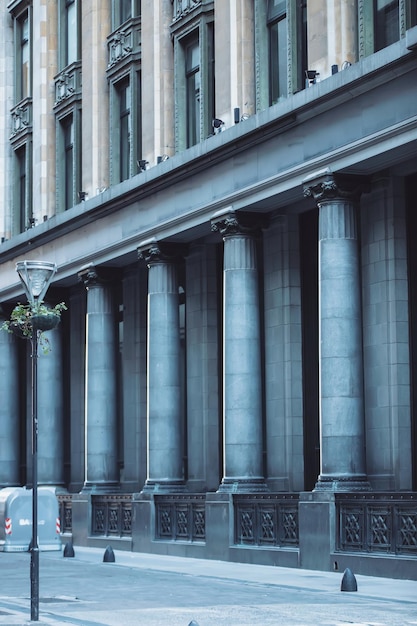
x,y
25,318
45,322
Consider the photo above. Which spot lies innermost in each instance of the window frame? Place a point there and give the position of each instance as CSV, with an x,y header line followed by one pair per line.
x,y
64,56
367,21
381,26
193,89
134,155
19,17
277,52
200,31
296,47
67,196
118,15
22,193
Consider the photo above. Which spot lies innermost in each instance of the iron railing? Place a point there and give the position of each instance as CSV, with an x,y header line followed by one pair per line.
x,y
65,512
266,519
377,522
111,515
180,517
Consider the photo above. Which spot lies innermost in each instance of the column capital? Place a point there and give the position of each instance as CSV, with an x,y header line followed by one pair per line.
x,y
326,186
231,222
93,276
89,275
154,251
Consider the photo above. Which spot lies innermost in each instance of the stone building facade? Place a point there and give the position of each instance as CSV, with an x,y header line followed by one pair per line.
x,y
228,190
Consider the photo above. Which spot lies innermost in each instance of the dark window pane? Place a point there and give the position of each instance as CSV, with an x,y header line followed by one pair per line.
x,y
277,60
21,189
68,137
71,46
124,145
193,93
24,55
125,10
387,25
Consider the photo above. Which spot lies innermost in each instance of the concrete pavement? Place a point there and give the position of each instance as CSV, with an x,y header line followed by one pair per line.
x,y
150,590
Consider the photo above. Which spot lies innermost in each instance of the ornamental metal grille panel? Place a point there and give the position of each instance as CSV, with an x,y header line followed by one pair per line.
x,y
266,519
112,516
180,518
379,523
65,512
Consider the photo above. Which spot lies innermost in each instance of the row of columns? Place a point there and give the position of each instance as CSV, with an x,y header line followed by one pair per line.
x,y
340,358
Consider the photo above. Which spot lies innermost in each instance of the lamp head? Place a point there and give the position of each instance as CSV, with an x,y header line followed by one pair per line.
x,y
36,277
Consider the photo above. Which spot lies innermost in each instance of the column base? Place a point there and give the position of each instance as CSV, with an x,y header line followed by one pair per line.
x,y
164,486
243,485
104,487
342,483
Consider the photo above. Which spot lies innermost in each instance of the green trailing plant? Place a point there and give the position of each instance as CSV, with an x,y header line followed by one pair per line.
x,y
24,318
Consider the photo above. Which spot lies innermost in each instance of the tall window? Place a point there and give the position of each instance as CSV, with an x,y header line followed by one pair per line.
x,y
278,50
383,22
24,48
193,84
123,10
124,96
68,141
21,220
125,122
412,13
23,76
69,47
387,26
68,159
194,76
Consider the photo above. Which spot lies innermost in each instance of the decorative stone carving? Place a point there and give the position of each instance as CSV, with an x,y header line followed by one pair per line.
x,y
120,46
183,7
21,118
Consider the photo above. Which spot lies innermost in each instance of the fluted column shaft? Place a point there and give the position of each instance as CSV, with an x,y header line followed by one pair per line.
x,y
342,428
50,412
242,388
101,472
9,411
164,420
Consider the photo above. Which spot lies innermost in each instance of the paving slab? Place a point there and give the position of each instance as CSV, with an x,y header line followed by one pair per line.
x,y
154,590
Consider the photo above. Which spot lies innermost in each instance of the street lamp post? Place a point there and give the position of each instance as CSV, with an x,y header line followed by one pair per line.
x,y
36,277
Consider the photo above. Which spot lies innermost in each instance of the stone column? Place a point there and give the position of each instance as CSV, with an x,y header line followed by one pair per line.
x,y
50,412
203,357
101,471
165,429
9,410
342,428
242,387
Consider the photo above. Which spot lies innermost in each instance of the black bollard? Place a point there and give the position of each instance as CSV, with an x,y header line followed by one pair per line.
x,y
69,549
348,581
193,623
109,555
